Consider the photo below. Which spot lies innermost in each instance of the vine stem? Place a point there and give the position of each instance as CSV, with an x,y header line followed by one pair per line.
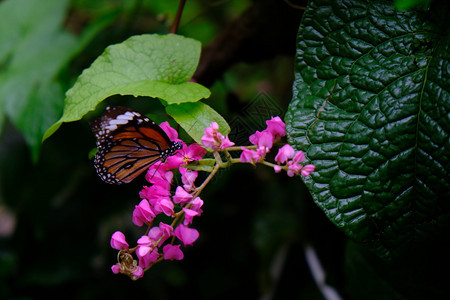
x,y
176,22
207,180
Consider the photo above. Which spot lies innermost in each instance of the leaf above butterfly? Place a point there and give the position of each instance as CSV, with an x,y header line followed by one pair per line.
x,y
158,66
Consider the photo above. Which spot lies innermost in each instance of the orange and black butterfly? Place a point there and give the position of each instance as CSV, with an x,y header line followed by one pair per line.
x,y
128,143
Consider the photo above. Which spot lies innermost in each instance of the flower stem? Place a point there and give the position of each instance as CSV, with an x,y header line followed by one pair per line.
x,y
207,180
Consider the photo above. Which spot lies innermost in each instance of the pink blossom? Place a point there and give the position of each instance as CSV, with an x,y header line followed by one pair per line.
x,y
143,214
138,273
118,241
247,156
186,235
298,157
173,252
189,214
277,168
155,191
115,268
160,176
188,178
155,233
160,233
277,127
284,153
252,156
186,155
146,260
294,166
145,245
166,230
306,170
167,206
226,143
262,139
214,139
159,204
171,133
181,196
196,204
294,169
194,152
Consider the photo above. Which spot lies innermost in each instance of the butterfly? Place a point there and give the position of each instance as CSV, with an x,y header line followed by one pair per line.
x,y
128,143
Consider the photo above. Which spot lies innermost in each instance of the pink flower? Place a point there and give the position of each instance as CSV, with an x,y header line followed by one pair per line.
x,y
298,157
143,214
214,139
155,191
115,268
251,156
188,178
172,252
160,176
189,215
247,156
277,168
146,260
118,241
171,133
294,169
145,245
193,152
294,166
196,204
166,230
284,153
181,196
262,139
138,273
163,232
276,127
167,206
306,170
186,235
159,204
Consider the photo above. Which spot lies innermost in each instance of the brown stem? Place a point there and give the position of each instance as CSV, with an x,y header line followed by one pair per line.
x,y
176,22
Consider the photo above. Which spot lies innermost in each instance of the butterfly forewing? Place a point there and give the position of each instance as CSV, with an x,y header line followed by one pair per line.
x,y
128,143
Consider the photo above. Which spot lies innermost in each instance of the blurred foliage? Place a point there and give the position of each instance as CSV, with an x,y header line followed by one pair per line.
x,y
61,215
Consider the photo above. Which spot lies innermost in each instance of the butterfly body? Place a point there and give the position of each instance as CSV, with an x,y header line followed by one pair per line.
x,y
128,143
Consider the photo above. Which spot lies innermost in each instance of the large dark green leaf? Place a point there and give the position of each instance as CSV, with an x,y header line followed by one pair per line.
x,y
371,110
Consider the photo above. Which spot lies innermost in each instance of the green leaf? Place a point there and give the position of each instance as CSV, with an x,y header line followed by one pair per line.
x,y
194,117
370,108
205,165
157,66
33,50
407,4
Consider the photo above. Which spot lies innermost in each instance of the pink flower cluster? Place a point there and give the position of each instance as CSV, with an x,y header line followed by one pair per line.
x,y
157,199
163,241
212,138
264,142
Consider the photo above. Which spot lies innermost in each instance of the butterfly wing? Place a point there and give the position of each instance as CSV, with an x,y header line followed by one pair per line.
x,y
128,143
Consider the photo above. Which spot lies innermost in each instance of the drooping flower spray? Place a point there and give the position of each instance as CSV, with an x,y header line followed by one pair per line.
x,y
164,241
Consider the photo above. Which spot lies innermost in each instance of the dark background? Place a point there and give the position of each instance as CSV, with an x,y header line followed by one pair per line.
x,y
57,216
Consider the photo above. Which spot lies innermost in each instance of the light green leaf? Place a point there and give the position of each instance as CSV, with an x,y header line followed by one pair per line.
x,y
205,165
194,117
34,48
152,65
